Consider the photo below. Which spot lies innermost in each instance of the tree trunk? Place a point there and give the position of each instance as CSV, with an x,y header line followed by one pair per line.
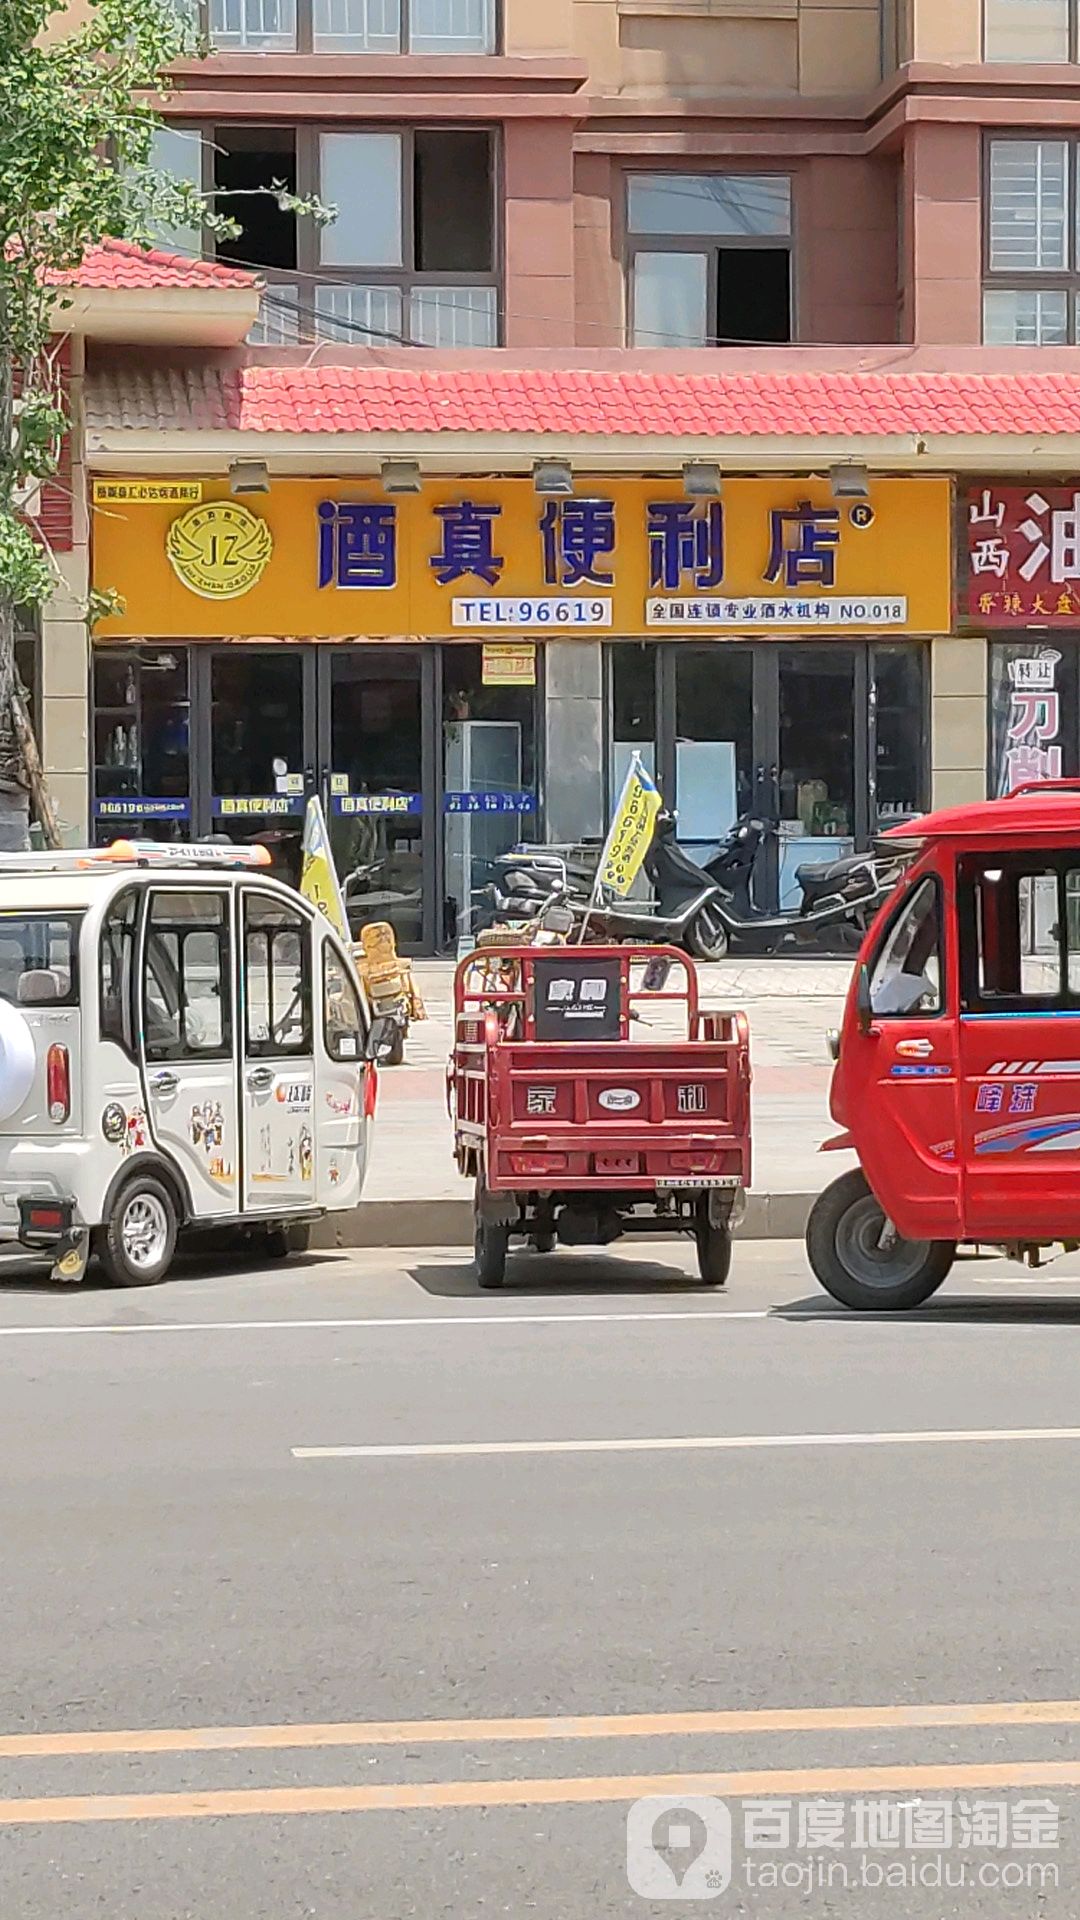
x,y
14,792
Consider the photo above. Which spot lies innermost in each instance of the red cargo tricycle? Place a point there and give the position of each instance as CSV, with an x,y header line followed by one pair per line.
x,y
573,1128
957,1076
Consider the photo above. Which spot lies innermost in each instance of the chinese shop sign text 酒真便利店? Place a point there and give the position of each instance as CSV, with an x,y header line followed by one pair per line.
x,y
325,559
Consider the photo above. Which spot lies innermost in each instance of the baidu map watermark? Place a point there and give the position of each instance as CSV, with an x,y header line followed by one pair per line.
x,y
685,1849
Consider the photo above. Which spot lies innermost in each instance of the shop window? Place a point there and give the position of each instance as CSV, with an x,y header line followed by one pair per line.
x,y
489,778
1028,30
817,742
714,734
633,708
1034,704
899,696
1031,288
141,742
710,259
376,801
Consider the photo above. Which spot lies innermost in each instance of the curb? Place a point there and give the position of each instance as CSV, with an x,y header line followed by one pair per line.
x,y
448,1223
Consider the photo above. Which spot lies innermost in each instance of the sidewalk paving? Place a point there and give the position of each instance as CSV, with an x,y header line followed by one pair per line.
x,y
791,1004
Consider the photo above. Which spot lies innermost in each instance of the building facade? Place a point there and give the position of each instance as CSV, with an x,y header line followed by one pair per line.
x,y
660,384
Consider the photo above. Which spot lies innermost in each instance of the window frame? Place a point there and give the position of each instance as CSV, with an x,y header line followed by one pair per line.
x,y
72,921
1057,280
1000,60
160,1053
311,273
305,37
711,245
330,954
1061,861
917,884
269,1048
129,1000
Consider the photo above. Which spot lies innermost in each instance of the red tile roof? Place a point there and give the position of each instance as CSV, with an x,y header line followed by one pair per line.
x,y
423,400
120,266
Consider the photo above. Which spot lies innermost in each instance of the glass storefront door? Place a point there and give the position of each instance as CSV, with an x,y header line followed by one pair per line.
x,y
828,741
262,759
489,781
375,723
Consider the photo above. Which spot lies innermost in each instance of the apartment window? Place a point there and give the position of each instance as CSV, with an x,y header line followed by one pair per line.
x,y
410,256
178,150
352,26
412,252
710,258
1031,290
1022,30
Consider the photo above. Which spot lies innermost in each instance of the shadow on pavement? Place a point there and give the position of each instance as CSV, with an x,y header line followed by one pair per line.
x,y
1042,1310
554,1276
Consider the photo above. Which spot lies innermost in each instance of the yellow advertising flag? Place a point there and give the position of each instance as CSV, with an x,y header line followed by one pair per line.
x,y
318,874
630,831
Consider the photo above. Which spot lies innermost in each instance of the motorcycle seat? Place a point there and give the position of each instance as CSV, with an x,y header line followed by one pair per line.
x,y
830,873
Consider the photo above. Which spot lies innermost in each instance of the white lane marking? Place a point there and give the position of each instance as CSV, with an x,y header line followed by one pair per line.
x,y
692,1443
407,1320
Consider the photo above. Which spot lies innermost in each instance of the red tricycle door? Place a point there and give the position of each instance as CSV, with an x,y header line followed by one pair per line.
x,y
900,1070
1020,1044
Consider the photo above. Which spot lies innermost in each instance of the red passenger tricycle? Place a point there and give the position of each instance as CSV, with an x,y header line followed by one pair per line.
x,y
957,1076
575,1130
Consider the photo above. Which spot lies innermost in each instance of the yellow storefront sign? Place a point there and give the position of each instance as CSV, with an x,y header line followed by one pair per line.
x,y
470,559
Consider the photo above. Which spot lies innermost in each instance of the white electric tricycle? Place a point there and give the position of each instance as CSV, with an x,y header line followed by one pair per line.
x,y
184,1044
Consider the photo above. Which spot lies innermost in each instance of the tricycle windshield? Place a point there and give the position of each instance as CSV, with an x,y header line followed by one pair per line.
x,y
906,973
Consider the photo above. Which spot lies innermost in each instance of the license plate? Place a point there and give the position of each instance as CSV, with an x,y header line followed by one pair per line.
x,y
727,1180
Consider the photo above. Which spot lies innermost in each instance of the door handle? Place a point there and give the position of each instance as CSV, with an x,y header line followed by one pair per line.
x,y
260,1080
163,1083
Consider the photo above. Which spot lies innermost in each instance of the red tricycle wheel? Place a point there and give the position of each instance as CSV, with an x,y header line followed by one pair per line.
x,y
862,1261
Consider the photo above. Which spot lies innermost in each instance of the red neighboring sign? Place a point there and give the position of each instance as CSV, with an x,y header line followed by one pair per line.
x,y
1024,556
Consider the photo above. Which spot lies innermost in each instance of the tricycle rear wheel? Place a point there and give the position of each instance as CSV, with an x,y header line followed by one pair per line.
x,y
490,1244
713,1251
861,1262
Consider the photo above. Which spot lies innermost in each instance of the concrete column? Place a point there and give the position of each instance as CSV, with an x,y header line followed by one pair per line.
x,y
574,739
538,171
958,721
941,265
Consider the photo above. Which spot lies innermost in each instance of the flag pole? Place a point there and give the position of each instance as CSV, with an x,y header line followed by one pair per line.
x,y
594,897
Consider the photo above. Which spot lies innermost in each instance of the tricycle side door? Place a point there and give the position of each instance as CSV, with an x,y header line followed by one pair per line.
x,y
186,1043
342,1123
899,1067
1020,1045
277,1069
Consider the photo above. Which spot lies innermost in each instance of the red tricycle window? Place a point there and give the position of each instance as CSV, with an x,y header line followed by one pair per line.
x,y
907,974
1020,940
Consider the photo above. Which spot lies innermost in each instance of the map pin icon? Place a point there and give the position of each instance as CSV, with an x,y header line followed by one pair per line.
x,y
680,1837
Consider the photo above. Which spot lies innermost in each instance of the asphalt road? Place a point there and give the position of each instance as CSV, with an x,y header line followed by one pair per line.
x,y
342,1590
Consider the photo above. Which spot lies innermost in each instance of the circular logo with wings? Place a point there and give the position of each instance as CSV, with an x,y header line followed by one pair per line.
x,y
219,550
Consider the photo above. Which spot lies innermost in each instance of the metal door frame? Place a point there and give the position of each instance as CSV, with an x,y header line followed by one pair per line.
x,y
430,788
200,694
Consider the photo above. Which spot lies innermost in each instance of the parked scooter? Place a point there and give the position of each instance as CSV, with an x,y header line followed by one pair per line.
x,y
679,915
840,896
